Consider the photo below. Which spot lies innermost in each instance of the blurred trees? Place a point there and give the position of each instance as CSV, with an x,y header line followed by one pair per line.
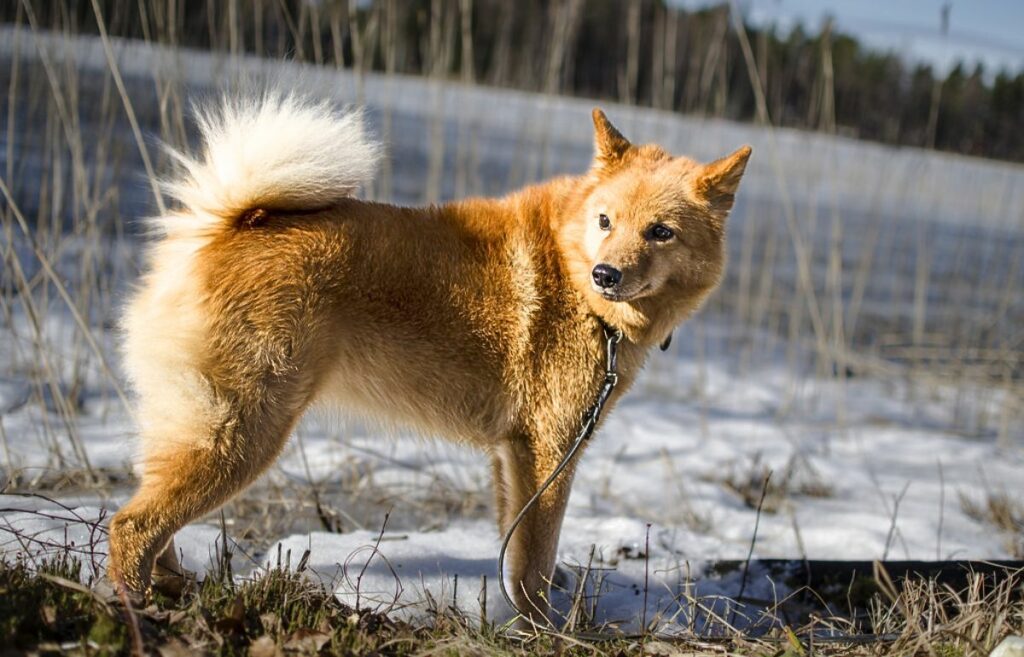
x,y
642,52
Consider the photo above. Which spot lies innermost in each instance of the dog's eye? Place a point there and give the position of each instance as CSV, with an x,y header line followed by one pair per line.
x,y
604,222
660,232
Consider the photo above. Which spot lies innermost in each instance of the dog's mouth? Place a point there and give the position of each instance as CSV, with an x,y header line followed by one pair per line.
x,y
620,296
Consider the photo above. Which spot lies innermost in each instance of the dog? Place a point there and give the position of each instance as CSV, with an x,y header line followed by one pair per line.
x,y
271,288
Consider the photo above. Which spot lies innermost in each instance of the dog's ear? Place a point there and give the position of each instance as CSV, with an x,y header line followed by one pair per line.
x,y
717,182
609,144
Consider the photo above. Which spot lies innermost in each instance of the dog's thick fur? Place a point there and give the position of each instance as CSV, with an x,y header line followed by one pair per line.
x,y
272,288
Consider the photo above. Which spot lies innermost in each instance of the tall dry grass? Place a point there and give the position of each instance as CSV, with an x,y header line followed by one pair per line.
x,y
840,286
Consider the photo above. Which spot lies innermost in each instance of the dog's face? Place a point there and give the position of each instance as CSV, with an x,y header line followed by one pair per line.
x,y
654,224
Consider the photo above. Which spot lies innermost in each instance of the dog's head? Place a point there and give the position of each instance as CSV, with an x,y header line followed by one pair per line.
x,y
651,229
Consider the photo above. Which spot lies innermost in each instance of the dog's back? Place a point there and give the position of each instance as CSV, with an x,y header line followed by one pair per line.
x,y
272,287
480,320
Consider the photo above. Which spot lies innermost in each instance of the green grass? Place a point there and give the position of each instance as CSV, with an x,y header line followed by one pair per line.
x,y
38,608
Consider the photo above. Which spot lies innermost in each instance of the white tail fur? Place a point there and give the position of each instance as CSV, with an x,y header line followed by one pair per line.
x,y
274,152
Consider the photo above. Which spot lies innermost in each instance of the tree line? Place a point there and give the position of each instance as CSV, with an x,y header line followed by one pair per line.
x,y
641,52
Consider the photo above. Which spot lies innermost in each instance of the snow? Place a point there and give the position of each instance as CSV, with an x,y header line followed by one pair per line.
x,y
888,478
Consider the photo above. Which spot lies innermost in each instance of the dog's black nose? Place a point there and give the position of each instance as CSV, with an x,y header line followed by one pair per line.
x,y
606,276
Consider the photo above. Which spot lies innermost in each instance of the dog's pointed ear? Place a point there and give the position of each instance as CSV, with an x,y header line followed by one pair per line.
x,y
609,144
717,182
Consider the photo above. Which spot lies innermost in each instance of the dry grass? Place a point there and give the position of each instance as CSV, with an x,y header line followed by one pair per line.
x,y
353,498
80,163
65,481
44,608
1000,511
930,618
50,603
797,478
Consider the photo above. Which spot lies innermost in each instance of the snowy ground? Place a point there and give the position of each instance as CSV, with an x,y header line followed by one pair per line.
x,y
678,454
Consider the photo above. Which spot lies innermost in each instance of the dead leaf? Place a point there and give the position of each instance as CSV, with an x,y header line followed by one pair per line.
x,y
264,647
234,619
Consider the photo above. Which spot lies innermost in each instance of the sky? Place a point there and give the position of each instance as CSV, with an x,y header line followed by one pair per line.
x,y
986,31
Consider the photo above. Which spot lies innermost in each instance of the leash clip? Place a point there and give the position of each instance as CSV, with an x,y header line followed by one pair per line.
x,y
613,337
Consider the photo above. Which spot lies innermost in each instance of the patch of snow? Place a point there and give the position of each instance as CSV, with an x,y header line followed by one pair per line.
x,y
886,481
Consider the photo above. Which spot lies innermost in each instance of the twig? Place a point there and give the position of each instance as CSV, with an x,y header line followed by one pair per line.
x,y
374,551
753,542
482,599
647,562
892,524
942,509
133,623
128,109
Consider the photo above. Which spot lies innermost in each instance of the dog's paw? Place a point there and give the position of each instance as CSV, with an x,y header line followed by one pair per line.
x,y
114,591
173,583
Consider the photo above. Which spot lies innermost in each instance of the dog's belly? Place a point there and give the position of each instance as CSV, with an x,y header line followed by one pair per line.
x,y
398,386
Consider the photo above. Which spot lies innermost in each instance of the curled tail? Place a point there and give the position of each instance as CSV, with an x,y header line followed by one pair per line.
x,y
270,152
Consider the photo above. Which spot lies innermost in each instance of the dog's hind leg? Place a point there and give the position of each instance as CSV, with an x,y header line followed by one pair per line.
x,y
189,472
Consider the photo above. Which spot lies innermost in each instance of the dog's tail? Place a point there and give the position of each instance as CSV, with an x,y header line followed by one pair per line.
x,y
273,152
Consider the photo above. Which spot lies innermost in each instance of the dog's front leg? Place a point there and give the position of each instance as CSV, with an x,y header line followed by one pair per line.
x,y
530,565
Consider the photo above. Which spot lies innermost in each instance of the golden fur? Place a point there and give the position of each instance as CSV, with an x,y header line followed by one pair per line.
x,y
271,289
